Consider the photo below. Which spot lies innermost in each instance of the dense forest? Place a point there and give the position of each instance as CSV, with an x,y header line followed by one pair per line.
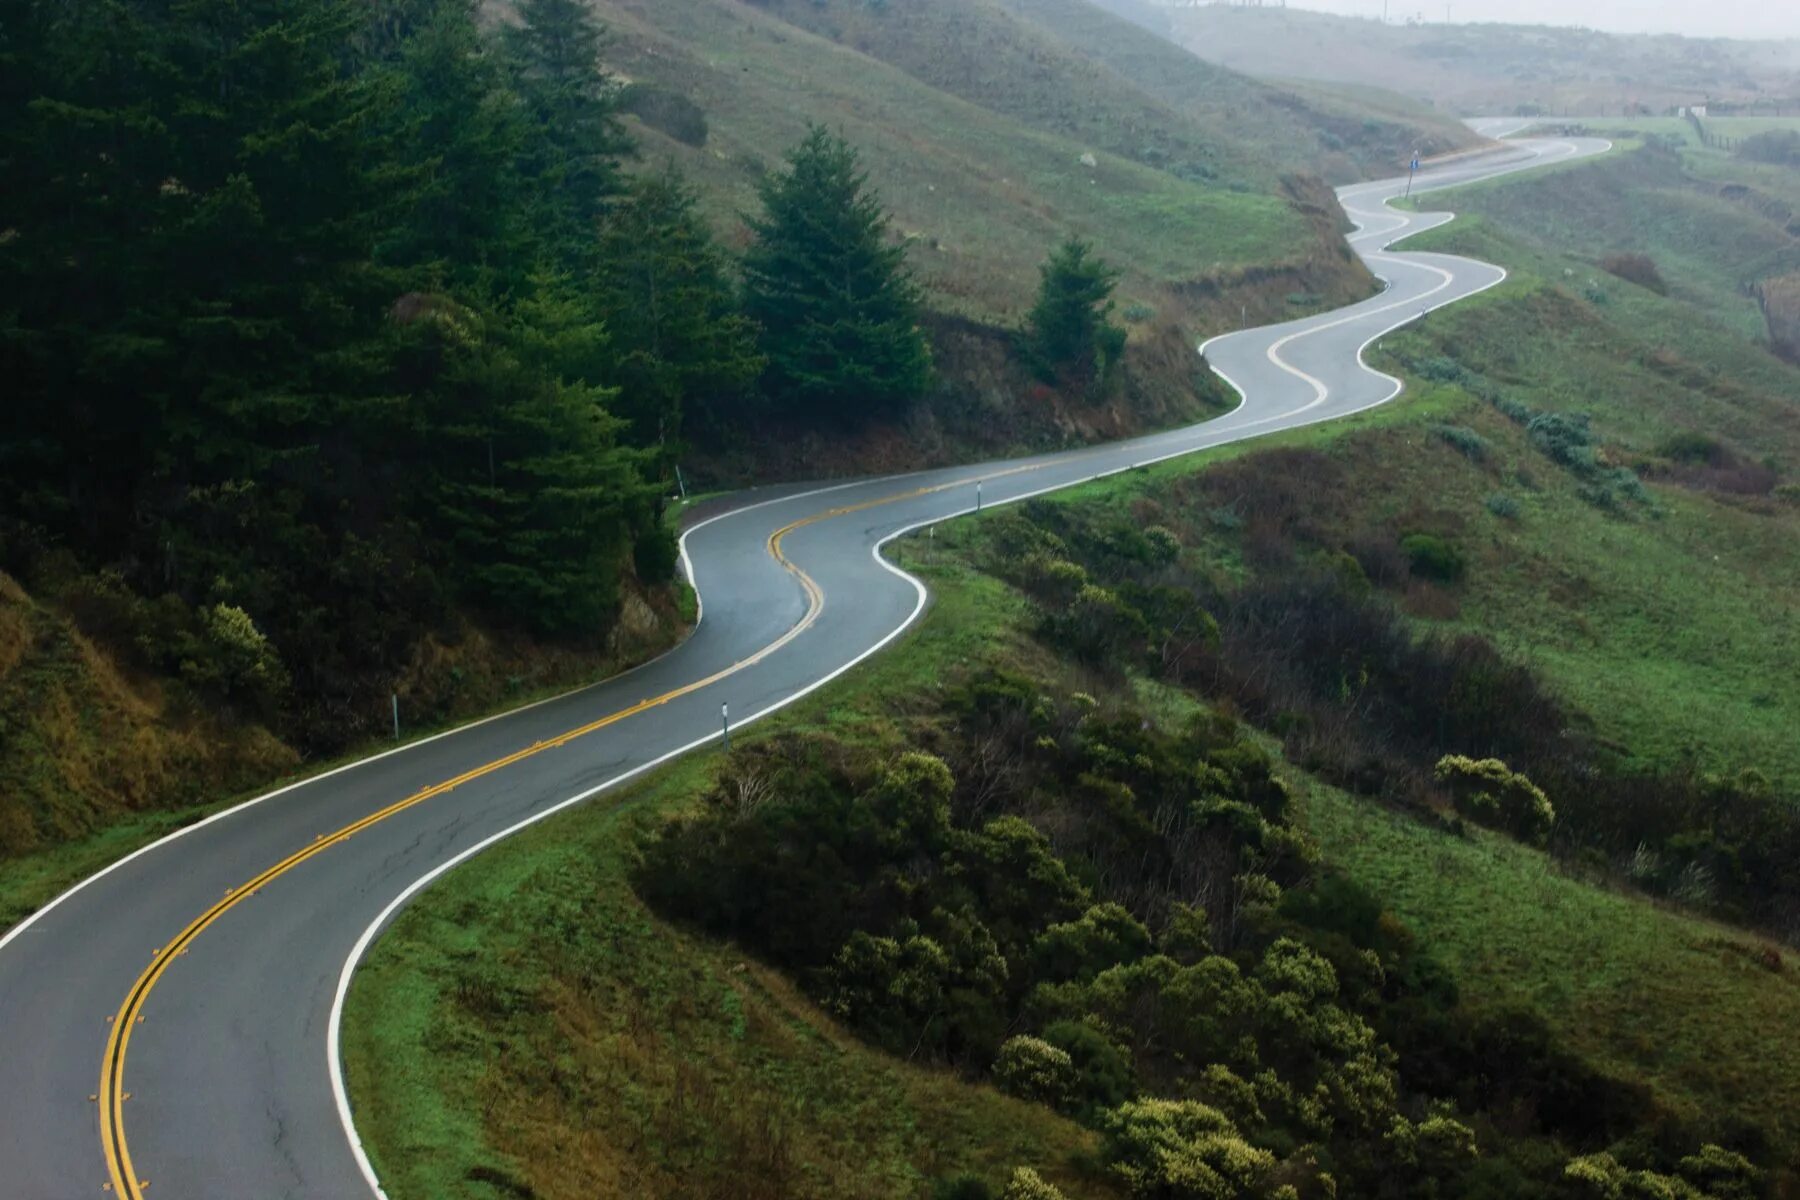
x,y
326,321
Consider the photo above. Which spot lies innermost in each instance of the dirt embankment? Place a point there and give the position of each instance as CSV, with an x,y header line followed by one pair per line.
x,y
1780,297
89,737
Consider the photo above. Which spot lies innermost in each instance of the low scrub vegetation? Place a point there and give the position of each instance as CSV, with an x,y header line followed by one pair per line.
x,y
1316,646
1122,922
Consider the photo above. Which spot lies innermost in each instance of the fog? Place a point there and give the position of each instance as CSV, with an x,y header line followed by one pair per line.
x,y
1715,18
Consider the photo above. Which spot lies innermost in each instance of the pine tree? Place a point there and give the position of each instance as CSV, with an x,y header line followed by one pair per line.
x,y
1068,333
682,347
527,489
838,309
459,128
572,161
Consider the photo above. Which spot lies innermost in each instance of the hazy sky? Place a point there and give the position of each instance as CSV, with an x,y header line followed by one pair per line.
x,y
1701,18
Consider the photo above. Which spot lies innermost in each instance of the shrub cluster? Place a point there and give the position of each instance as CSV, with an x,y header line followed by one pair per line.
x,y
1311,649
1123,923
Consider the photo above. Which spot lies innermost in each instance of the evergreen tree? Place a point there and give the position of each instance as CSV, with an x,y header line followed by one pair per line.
x,y
838,309
1068,332
526,486
683,348
460,128
571,163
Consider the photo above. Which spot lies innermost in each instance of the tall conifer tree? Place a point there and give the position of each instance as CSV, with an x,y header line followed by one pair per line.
x,y
572,165
683,346
838,309
1069,330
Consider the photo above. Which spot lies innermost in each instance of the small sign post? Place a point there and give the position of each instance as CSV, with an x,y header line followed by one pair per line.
x,y
1411,172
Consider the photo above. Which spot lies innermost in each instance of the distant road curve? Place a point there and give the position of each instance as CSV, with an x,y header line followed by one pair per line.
x,y
173,1021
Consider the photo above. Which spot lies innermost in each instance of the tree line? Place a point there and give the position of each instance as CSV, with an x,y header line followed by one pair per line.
x,y
323,320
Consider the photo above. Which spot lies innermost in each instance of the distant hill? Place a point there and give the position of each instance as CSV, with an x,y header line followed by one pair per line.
x,y
977,118
1491,68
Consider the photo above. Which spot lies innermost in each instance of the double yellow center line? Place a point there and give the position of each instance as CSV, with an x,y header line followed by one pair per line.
x,y
124,1180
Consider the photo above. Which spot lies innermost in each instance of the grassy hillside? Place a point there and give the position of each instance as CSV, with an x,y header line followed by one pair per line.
x,y
621,1054
1714,224
1492,67
974,124
1072,68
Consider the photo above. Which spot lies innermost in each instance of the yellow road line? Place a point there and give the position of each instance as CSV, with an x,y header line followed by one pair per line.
x,y
112,1094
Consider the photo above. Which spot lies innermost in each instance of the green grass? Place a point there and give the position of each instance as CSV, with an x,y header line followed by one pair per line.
x,y
1683,1004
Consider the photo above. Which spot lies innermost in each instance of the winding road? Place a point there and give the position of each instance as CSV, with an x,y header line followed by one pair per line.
x,y
169,1027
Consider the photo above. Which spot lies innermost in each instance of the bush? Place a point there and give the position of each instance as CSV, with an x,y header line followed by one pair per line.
x,y
1433,557
1515,411
1566,438
1779,146
1635,268
1181,1150
1103,1074
1486,791
1027,1184
1693,448
1503,506
1466,441
232,658
1105,936
1033,1069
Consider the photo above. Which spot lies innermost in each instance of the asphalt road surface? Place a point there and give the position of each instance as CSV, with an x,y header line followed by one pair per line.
x,y
174,1019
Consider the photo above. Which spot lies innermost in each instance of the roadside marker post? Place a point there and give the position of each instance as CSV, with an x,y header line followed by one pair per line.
x,y
978,495
396,716
725,720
